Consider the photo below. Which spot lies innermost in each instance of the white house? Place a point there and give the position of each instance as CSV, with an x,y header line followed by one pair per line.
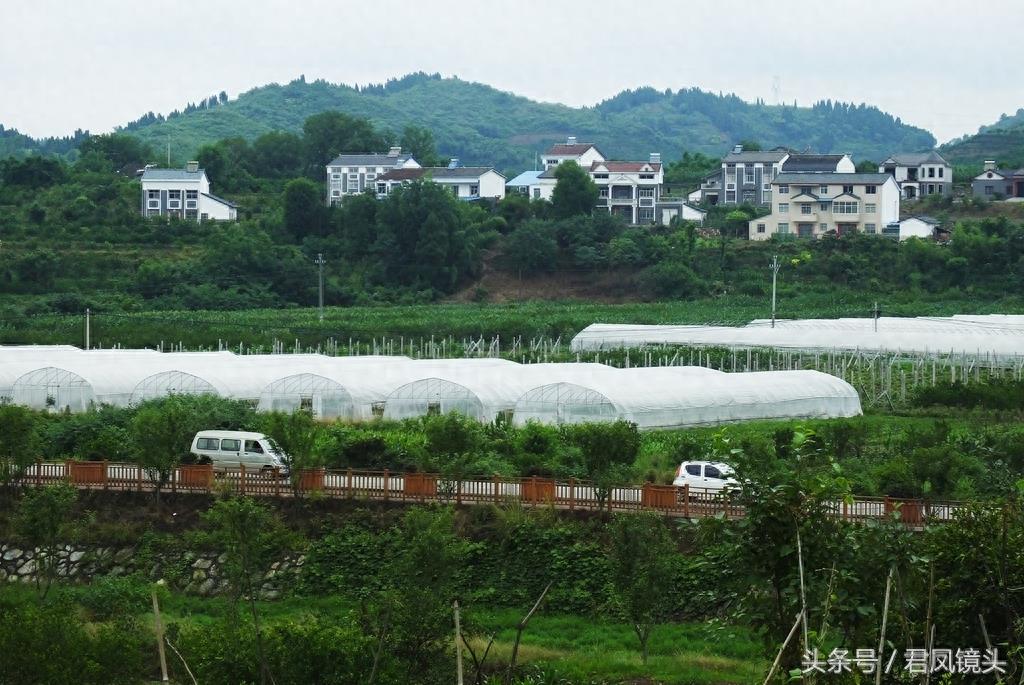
x,y
809,205
349,175
919,226
919,173
584,154
184,194
466,183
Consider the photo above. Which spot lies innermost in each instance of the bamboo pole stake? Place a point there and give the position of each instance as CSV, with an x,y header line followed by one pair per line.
x,y
458,645
881,636
158,626
803,596
778,657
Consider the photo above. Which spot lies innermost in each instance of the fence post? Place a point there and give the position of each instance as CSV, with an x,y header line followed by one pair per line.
x,y
138,477
497,488
349,486
277,482
241,478
572,494
104,466
174,480
458,489
385,485
39,472
686,500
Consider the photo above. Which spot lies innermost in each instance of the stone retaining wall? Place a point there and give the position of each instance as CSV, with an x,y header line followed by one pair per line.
x,y
192,572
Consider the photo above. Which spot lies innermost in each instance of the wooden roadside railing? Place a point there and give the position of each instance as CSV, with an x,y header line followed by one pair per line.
x,y
385,486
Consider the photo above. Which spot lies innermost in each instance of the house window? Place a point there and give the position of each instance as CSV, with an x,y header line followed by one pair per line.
x,y
823,227
823,206
805,208
845,207
646,214
783,228
760,228
474,190
335,193
848,189
154,212
174,204
870,208
153,194
748,175
646,192
155,204
603,192
190,214
600,175
336,177
931,188
455,191
931,172
646,177
174,194
869,228
783,208
783,189
941,169
730,196
870,190
823,190
204,217
989,190
370,177
191,194
730,186
191,204
382,188
536,193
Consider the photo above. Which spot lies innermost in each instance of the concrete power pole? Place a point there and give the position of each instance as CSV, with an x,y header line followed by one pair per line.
x,y
320,264
775,266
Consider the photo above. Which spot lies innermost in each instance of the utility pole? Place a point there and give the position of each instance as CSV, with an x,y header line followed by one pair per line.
x,y
320,263
876,311
775,266
87,331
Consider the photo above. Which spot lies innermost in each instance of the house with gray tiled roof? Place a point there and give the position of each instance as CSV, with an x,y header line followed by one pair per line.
x,y
919,173
813,204
183,194
746,175
349,175
583,154
994,183
466,183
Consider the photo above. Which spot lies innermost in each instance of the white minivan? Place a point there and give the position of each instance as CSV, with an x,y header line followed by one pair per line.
x,y
230,449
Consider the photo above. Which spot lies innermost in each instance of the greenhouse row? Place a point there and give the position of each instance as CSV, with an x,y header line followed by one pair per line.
x,y
62,378
982,336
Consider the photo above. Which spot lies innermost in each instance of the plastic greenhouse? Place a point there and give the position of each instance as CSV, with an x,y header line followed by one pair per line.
x,y
999,337
364,388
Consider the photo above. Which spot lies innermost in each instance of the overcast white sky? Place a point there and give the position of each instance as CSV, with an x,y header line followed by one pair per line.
x,y
94,64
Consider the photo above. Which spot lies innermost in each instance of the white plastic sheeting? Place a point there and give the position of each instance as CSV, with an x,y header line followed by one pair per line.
x,y
362,388
999,337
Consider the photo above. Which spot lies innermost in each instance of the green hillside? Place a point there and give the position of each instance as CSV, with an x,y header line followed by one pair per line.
x,y
1003,144
483,125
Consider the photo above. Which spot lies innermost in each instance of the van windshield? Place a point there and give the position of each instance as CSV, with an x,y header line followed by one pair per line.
x,y
272,445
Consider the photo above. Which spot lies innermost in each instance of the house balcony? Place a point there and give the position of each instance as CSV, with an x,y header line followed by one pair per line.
x,y
621,201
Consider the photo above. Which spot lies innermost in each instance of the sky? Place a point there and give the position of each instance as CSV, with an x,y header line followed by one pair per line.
x,y
95,64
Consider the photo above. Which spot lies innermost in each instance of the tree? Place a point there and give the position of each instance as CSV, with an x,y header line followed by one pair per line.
x,y
575,193
750,145
117,150
163,431
606,450
411,617
33,172
642,557
44,521
419,142
19,441
531,248
303,208
331,133
250,536
299,435
277,154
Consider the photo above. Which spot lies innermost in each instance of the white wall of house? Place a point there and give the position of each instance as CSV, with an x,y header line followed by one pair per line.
x,y
211,209
186,198
584,160
846,165
916,228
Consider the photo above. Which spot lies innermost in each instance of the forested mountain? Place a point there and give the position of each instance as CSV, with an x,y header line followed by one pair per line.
x,y
1002,141
483,125
15,143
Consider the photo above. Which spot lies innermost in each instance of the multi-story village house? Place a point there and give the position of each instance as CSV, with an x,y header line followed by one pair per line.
x,y
746,176
183,194
809,205
349,175
465,183
994,183
919,173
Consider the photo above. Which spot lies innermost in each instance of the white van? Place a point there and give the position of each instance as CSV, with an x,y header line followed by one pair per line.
x,y
230,449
